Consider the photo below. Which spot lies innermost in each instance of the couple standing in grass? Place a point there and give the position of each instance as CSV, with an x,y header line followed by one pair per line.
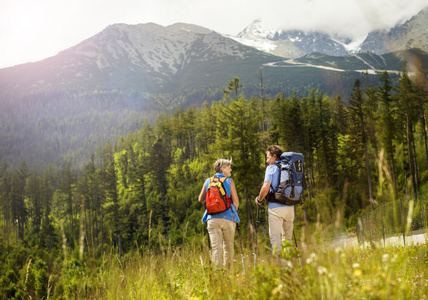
x,y
222,225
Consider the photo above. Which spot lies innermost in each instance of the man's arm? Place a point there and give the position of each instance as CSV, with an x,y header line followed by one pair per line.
x,y
263,192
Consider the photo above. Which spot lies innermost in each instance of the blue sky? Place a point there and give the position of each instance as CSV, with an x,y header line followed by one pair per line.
x,y
31,30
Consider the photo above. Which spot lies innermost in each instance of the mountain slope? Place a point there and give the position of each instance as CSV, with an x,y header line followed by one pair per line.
x,y
143,58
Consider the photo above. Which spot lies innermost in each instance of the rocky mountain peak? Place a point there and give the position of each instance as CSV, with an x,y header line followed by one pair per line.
x,y
257,29
295,43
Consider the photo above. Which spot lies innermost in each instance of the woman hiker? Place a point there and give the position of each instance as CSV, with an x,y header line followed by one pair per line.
x,y
221,214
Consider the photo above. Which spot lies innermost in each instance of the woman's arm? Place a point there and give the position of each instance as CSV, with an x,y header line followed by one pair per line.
x,y
202,194
235,198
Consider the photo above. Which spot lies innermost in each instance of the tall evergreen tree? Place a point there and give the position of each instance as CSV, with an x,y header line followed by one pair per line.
x,y
388,123
160,159
48,237
5,197
407,107
358,118
18,206
242,143
67,186
309,113
35,197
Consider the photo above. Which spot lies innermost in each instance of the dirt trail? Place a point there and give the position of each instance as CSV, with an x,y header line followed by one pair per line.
x,y
292,64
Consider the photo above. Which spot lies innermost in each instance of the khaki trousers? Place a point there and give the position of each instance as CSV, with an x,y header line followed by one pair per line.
x,y
222,235
280,225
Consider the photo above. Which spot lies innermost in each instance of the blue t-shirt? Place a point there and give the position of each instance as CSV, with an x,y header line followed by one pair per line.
x,y
230,214
272,175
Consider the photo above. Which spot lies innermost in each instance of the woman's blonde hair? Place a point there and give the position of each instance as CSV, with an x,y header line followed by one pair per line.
x,y
221,163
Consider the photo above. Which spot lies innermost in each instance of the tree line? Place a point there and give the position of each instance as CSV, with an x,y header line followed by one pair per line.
x,y
140,192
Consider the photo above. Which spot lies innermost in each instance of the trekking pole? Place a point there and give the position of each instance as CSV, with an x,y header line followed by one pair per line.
x,y
257,238
240,246
297,249
257,222
209,243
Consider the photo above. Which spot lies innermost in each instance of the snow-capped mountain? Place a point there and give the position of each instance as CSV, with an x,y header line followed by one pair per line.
x,y
291,43
296,43
411,34
261,37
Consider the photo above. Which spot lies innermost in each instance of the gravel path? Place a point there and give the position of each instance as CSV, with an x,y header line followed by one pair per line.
x,y
416,237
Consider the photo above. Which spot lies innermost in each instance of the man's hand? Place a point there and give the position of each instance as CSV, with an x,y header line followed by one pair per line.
x,y
257,201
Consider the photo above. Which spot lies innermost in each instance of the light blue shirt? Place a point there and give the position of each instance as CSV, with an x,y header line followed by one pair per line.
x,y
230,214
272,175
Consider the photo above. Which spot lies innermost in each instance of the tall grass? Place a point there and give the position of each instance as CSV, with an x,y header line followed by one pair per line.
x,y
314,272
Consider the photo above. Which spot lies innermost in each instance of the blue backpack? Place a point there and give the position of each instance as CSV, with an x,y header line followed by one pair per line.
x,y
291,180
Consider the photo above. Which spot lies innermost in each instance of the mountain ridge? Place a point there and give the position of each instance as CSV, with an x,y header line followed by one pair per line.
x,y
142,57
297,43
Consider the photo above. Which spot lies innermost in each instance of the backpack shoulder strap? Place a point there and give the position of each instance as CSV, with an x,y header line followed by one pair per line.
x,y
223,179
279,178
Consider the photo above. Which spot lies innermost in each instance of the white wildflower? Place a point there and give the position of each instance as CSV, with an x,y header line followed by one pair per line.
x,y
321,270
385,258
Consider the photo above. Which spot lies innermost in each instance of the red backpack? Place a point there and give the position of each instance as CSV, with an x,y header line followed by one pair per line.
x,y
217,200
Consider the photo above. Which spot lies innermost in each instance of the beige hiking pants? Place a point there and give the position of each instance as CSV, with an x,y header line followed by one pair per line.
x,y
281,225
222,235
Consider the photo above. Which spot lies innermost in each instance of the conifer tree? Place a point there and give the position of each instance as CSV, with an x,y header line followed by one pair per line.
x,y
420,83
91,198
206,129
326,140
48,237
359,130
159,163
407,107
309,113
145,140
233,87
287,118
242,142
388,123
5,196
35,197
109,196
67,186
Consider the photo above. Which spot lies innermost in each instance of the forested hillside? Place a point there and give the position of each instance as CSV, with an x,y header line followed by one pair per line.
x,y
140,192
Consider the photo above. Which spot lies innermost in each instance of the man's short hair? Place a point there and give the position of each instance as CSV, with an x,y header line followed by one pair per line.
x,y
275,149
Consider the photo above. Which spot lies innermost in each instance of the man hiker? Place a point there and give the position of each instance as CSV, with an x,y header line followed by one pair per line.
x,y
281,216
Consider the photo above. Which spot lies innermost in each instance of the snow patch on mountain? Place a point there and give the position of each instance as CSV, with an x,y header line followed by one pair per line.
x,y
258,43
354,45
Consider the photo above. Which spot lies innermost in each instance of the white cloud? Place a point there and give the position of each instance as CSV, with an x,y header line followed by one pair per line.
x,y
346,17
